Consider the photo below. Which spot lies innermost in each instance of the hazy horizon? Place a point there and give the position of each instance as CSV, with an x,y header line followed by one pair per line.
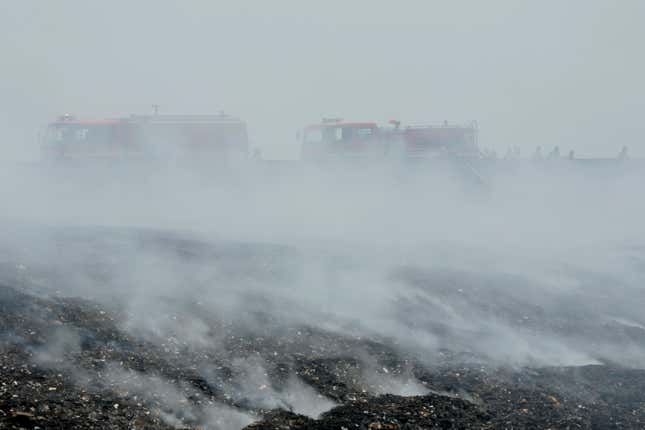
x,y
546,73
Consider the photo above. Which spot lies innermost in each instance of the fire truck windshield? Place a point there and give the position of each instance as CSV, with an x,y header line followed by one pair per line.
x,y
79,133
338,133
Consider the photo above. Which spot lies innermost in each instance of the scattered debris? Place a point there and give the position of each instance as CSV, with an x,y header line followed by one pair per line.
x,y
70,363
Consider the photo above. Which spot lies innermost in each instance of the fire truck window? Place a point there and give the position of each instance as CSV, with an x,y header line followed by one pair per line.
x,y
364,133
57,134
81,133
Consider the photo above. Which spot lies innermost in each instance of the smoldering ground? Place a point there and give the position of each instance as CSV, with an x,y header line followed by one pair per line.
x,y
229,295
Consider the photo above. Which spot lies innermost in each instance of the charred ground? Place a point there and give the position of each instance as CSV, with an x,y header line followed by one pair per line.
x,y
72,357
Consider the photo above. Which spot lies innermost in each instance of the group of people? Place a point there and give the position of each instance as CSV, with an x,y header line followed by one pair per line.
x,y
555,154
513,153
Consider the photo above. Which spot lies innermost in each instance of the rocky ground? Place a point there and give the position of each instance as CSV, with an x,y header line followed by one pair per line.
x,y
76,361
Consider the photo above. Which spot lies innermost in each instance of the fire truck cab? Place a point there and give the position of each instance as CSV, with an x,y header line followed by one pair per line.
x,y
334,138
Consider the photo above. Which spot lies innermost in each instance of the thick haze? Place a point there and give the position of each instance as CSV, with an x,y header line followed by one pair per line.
x,y
510,262
532,73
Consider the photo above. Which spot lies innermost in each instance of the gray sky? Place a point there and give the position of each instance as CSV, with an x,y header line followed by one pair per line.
x,y
541,72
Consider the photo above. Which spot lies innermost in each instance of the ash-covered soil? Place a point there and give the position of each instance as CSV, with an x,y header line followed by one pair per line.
x,y
223,337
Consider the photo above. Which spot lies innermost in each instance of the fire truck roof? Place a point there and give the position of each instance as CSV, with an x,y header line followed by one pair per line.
x,y
186,119
165,119
85,121
342,124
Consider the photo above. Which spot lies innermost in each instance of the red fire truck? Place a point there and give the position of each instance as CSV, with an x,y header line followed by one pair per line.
x,y
146,137
335,138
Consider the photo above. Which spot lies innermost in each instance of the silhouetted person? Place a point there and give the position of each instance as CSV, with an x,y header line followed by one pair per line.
x,y
537,155
571,155
555,153
516,151
622,155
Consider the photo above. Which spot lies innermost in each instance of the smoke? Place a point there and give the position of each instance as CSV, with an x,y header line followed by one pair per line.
x,y
505,273
575,86
527,271
379,379
308,263
255,388
499,263
176,403
172,402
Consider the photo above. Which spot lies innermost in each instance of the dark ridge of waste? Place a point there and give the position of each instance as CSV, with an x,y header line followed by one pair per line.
x,y
71,391
387,412
71,363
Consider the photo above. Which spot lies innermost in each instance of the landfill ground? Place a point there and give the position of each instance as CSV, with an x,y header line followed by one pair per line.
x,y
76,354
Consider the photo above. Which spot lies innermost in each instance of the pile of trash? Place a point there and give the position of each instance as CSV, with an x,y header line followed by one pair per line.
x,y
74,362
